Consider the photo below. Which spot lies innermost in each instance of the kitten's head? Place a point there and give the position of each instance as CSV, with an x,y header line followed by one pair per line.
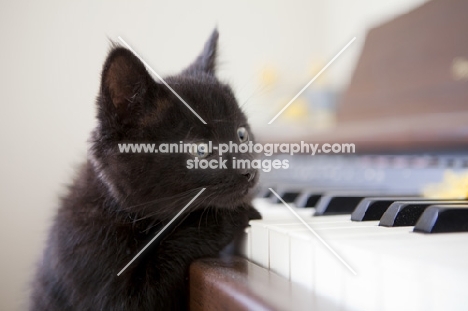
x,y
133,108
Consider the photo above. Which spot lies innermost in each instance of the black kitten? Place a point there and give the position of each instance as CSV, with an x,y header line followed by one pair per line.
x,y
120,201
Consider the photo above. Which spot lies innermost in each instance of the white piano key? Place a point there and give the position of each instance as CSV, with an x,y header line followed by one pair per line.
x,y
279,253
301,254
435,264
398,277
361,291
446,281
279,241
397,269
274,214
245,244
364,290
260,233
328,272
259,244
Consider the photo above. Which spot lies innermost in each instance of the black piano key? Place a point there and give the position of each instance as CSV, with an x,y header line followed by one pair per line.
x,y
288,196
407,213
338,204
374,208
308,199
312,200
267,193
261,192
443,218
346,202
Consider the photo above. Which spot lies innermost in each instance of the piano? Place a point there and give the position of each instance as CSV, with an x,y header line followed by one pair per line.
x,y
406,110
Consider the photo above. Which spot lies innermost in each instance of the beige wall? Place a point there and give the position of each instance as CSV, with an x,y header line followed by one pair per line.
x,y
50,59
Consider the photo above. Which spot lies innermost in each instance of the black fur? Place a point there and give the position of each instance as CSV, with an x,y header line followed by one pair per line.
x,y
118,202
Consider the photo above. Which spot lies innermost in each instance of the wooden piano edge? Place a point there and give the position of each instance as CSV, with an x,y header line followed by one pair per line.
x,y
234,283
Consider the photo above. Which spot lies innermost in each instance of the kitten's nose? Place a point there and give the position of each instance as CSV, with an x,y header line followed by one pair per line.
x,y
249,174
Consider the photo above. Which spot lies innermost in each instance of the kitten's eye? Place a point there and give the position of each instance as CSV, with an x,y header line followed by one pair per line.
x,y
201,151
242,134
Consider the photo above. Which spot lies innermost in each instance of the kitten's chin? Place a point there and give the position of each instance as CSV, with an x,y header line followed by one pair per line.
x,y
233,199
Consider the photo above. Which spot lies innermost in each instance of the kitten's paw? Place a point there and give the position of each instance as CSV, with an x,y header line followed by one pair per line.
x,y
253,213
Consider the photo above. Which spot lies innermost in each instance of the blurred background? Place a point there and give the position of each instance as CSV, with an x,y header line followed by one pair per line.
x,y
51,57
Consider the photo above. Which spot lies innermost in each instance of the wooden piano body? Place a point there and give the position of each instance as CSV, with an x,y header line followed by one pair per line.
x,y
408,97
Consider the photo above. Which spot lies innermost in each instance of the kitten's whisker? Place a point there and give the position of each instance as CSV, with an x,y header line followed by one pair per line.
x,y
177,196
259,90
167,210
206,208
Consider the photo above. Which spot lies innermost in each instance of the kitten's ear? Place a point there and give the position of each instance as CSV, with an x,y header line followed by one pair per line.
x,y
206,61
124,84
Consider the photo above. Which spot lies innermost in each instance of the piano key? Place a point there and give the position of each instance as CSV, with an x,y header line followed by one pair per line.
x,y
260,233
305,197
402,270
342,203
364,247
308,199
407,213
373,208
262,192
337,204
443,218
288,196
326,272
269,210
274,214
260,229
266,192
288,192
367,250
245,248
279,240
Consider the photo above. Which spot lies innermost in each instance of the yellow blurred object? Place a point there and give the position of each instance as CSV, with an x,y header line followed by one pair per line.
x,y
268,76
297,110
453,186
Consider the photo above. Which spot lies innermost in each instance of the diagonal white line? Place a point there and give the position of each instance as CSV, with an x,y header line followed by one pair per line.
x,y
314,233
313,79
160,232
161,79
